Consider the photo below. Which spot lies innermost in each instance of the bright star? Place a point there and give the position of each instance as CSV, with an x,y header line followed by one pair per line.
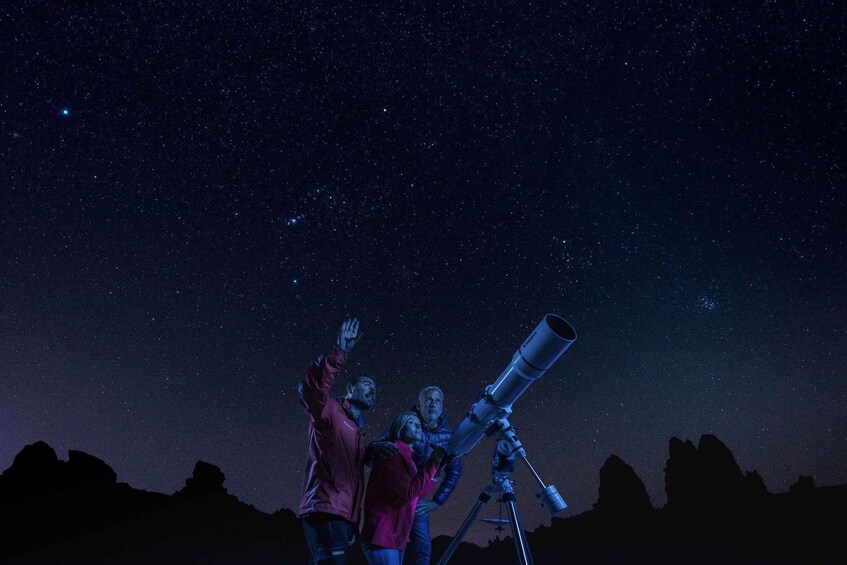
x,y
65,112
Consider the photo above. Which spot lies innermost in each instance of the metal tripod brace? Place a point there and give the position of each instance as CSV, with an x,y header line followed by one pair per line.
x,y
502,465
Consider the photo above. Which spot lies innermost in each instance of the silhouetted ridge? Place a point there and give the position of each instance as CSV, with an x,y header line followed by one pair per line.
x,y
85,469
715,514
804,486
52,511
35,462
754,486
683,475
35,472
76,512
707,479
206,480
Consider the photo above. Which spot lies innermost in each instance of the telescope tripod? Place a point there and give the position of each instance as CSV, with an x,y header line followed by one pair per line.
x,y
507,496
503,463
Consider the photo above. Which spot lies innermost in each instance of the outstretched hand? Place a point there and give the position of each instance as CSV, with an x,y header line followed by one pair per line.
x,y
384,449
424,507
439,454
349,334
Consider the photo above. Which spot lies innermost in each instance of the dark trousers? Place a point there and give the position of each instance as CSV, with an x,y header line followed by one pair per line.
x,y
328,537
420,540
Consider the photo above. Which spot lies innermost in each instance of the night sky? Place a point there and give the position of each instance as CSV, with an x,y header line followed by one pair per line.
x,y
195,195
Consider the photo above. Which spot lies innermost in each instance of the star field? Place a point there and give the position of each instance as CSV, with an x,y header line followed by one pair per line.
x,y
193,197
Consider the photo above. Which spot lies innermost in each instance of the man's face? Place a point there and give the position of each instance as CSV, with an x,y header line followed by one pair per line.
x,y
411,432
430,405
363,393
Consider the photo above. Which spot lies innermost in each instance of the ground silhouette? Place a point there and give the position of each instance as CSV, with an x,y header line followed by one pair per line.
x,y
76,511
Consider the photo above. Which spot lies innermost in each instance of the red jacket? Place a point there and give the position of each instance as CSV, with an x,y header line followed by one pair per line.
x,y
394,487
335,479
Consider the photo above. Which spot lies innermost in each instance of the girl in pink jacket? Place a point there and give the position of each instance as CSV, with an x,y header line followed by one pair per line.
x,y
394,487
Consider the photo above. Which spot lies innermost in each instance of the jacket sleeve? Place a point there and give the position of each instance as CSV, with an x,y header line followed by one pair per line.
x,y
452,473
318,380
406,486
370,455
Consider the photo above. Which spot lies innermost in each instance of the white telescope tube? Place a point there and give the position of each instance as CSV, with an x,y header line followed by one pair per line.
x,y
541,349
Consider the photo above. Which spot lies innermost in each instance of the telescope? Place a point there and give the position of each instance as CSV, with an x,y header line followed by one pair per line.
x,y
538,352
489,416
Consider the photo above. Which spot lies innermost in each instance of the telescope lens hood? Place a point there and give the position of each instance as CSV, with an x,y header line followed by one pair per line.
x,y
547,342
560,327
539,351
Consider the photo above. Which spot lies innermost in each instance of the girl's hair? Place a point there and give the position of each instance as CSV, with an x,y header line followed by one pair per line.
x,y
398,424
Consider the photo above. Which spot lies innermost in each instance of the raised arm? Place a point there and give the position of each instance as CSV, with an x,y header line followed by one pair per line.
x,y
318,380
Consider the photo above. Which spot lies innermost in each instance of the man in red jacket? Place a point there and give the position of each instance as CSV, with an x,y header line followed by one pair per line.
x,y
335,480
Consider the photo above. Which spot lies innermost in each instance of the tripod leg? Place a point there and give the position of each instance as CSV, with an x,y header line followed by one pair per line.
x,y
521,544
484,497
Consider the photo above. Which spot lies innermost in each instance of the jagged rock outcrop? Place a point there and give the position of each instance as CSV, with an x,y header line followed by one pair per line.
x,y
35,462
804,486
682,474
206,480
722,480
86,517
35,472
622,492
706,478
754,487
85,469
74,511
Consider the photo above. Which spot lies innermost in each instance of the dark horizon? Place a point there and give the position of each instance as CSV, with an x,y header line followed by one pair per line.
x,y
801,479
480,534
78,511
194,197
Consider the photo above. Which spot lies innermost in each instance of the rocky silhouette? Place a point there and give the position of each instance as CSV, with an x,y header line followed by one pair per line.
x,y
715,513
76,511
54,511
704,478
206,480
622,494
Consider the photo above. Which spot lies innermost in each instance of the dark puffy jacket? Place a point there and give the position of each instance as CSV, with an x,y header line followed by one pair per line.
x,y
335,479
439,435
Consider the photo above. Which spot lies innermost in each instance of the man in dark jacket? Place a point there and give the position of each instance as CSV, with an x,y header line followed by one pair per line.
x,y
335,480
434,431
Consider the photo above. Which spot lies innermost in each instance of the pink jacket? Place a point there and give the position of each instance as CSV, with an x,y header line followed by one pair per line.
x,y
335,478
394,487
